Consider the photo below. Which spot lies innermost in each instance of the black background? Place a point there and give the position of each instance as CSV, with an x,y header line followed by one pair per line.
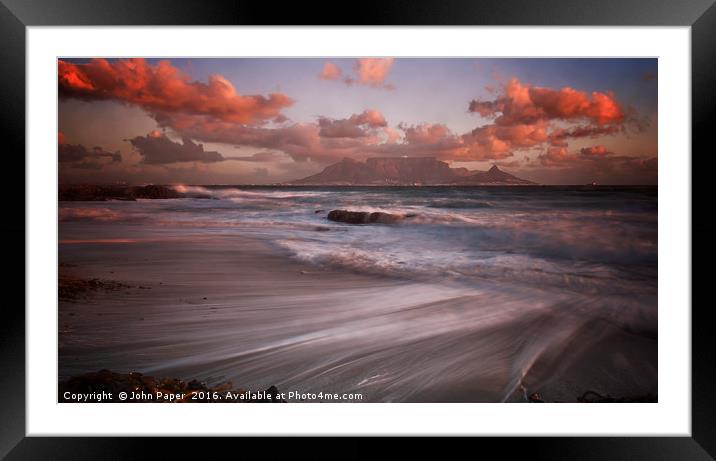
x,y
15,15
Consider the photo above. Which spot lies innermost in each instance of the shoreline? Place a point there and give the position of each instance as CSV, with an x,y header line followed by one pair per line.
x,y
253,270
232,308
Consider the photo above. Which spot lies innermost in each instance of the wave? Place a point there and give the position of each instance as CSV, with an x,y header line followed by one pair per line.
x,y
471,267
236,193
465,204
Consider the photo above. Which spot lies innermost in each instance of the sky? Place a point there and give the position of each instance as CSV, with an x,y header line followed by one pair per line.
x,y
272,120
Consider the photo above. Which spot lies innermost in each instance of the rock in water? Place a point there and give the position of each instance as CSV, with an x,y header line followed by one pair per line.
x,y
363,217
154,192
384,218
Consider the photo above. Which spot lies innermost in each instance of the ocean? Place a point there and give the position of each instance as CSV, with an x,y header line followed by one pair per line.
x,y
537,278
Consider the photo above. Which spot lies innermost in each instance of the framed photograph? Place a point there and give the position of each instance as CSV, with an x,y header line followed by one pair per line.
x,y
421,222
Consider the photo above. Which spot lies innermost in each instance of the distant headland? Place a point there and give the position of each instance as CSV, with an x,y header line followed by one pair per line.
x,y
403,171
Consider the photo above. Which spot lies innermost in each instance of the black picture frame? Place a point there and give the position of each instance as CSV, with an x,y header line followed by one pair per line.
x,y
16,15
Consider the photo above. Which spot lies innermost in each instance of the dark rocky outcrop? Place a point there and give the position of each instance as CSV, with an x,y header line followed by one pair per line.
x,y
407,171
103,193
154,192
363,217
93,193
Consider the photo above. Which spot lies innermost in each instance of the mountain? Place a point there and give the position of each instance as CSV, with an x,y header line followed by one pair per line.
x,y
407,171
496,176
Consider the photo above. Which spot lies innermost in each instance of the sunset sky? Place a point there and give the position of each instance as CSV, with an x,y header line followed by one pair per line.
x,y
243,121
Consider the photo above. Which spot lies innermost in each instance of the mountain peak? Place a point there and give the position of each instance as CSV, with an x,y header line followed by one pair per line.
x,y
494,169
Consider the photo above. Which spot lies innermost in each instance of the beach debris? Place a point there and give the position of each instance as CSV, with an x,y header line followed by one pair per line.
x,y
73,288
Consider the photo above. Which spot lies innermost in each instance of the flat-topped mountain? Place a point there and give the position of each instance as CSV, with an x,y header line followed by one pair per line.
x,y
407,171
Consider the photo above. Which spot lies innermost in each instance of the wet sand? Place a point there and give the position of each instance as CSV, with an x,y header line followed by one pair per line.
x,y
222,307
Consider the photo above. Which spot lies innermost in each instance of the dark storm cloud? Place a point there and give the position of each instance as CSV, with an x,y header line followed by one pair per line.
x,y
156,148
80,156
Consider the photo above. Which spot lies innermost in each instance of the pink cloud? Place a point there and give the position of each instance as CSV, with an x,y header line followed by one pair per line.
x,y
560,135
370,117
373,71
356,126
520,104
526,117
598,162
370,72
555,155
162,88
343,128
595,151
330,71
367,134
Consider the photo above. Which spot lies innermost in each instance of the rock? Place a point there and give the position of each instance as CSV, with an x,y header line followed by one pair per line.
x,y
195,385
274,394
154,192
91,193
103,193
363,217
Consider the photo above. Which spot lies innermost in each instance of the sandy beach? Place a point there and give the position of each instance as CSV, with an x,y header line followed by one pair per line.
x,y
220,307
